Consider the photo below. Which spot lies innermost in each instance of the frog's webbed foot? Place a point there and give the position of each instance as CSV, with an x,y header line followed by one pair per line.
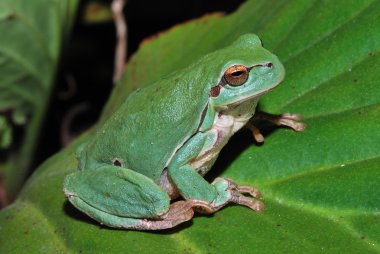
x,y
178,213
184,210
286,119
238,196
230,192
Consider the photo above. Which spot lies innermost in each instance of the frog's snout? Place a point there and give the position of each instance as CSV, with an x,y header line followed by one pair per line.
x,y
269,65
272,72
276,68
262,69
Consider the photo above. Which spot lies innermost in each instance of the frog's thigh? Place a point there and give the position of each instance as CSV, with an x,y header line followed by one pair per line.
x,y
179,212
116,196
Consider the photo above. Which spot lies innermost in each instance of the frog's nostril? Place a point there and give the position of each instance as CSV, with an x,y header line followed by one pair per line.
x,y
269,65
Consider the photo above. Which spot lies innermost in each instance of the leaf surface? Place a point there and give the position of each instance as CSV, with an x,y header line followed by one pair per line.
x,y
321,187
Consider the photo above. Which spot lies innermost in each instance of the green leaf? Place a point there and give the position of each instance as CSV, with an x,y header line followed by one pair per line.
x,y
321,187
32,33
5,133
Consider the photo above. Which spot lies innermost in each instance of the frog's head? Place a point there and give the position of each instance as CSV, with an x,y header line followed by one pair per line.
x,y
247,70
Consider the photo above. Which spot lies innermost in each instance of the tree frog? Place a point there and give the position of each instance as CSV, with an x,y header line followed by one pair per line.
x,y
143,169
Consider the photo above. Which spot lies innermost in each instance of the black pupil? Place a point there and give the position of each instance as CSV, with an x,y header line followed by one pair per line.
x,y
237,73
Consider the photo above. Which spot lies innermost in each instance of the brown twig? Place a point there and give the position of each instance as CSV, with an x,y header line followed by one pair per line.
x,y
121,32
3,193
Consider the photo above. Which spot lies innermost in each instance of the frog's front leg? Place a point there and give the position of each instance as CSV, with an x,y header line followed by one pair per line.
x,y
286,119
192,186
122,198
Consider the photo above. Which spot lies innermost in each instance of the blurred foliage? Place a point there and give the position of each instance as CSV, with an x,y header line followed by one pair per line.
x,y
97,12
32,33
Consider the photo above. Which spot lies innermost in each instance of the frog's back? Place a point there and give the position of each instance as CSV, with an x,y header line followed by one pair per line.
x,y
155,121
150,126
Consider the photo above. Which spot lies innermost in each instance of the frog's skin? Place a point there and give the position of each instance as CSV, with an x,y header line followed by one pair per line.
x,y
165,138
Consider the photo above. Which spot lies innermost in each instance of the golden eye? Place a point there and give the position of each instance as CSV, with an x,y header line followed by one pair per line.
x,y
236,75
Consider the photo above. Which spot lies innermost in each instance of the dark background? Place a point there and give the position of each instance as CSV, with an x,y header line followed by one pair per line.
x,y
84,76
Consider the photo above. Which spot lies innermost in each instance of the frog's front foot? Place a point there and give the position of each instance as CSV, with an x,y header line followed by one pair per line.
x,y
230,192
238,192
286,119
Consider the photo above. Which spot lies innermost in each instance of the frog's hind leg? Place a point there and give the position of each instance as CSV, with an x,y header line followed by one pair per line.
x,y
179,212
122,198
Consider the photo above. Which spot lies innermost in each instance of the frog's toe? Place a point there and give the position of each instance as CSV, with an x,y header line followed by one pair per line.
x,y
252,203
286,119
230,192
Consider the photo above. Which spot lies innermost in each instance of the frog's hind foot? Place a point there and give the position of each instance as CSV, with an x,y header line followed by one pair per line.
x,y
179,212
176,215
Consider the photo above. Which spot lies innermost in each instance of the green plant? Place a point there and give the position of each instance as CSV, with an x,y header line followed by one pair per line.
x,y
32,33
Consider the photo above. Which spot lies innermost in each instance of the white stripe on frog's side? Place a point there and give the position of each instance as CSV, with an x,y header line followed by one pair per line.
x,y
226,123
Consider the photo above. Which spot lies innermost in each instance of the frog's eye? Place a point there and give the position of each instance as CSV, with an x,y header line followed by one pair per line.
x,y
236,75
